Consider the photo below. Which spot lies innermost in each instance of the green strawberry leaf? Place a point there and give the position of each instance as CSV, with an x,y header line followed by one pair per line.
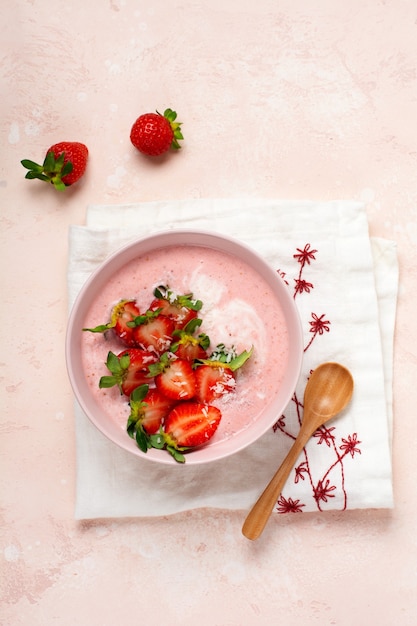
x,y
139,393
142,439
240,360
180,458
131,426
114,363
67,169
170,115
40,176
157,441
99,329
31,165
106,382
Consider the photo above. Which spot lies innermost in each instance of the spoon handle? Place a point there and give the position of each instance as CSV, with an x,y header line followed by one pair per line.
x,y
262,509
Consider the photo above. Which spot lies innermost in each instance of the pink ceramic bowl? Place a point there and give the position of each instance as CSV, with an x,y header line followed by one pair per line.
x,y
271,392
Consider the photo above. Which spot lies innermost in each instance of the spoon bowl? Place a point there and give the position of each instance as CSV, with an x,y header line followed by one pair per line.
x,y
328,391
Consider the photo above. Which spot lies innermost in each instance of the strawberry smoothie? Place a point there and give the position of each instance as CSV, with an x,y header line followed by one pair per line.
x,y
239,309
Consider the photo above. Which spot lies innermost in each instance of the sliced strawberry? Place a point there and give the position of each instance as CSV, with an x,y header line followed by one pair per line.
x,y
213,381
188,425
153,331
148,408
188,346
123,313
215,376
180,308
174,377
129,369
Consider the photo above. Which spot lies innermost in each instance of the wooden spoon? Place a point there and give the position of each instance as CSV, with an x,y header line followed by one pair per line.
x,y
328,391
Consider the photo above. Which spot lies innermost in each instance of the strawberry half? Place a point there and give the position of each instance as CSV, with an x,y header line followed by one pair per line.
x,y
152,331
125,311
213,381
148,408
188,346
180,308
215,377
188,425
129,369
64,164
174,377
153,133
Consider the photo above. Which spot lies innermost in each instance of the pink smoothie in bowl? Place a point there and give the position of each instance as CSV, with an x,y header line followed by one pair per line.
x,y
245,304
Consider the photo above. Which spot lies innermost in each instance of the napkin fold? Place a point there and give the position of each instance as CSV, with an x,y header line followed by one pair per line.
x,y
345,287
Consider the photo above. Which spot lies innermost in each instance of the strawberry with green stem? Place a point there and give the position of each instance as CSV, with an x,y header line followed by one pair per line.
x,y
187,426
123,312
128,370
154,134
148,408
215,376
64,164
180,308
152,331
187,345
173,377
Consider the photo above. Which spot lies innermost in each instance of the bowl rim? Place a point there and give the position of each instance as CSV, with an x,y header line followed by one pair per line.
x,y
173,238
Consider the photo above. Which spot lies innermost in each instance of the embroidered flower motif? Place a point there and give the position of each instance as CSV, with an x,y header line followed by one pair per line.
x,y
299,471
289,506
322,492
350,445
304,256
279,424
318,325
324,435
302,285
324,489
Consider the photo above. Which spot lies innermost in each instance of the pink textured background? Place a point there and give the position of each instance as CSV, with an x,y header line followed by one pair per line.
x,y
279,99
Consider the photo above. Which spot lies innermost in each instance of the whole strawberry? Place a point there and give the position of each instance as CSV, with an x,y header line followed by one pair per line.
x,y
64,164
154,134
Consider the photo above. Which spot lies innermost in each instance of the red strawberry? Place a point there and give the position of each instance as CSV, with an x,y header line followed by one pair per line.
x,y
153,331
125,311
174,377
188,346
148,408
213,381
153,133
129,369
64,164
180,308
188,425
215,376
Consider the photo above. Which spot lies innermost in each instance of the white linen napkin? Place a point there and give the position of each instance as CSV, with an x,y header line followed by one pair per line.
x,y
345,287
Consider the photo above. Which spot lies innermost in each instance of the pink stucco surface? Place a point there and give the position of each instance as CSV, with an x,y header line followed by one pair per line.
x,y
279,99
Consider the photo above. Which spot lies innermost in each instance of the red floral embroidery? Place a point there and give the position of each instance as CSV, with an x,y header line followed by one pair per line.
x,y
325,435
289,505
279,424
300,470
323,489
306,255
350,445
318,326
302,285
